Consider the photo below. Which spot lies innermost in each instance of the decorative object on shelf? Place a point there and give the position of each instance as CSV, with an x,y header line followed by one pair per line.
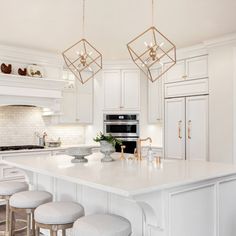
x,y
6,69
35,71
82,58
22,72
79,154
108,143
150,50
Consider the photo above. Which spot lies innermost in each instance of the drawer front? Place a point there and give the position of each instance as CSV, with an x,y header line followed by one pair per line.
x,y
11,172
187,88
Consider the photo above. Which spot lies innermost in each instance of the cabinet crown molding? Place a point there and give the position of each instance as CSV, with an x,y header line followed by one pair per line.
x,y
221,41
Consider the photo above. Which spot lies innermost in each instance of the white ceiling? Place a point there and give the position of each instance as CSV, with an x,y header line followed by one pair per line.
x,y
53,25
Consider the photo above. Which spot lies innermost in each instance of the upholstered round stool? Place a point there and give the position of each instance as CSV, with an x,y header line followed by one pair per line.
x,y
57,216
102,224
7,189
27,202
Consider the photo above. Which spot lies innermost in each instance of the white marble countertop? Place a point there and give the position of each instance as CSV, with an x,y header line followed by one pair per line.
x,y
126,178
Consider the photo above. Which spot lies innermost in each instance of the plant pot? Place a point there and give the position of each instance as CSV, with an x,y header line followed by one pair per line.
x,y
107,149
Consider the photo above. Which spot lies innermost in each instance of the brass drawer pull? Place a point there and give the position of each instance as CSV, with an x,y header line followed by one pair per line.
x,y
180,129
189,129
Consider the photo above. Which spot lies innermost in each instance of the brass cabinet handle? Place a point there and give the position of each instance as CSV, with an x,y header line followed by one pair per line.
x,y
179,129
184,76
189,129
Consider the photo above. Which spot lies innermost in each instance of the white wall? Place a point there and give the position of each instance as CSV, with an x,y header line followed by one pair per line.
x,y
221,80
154,131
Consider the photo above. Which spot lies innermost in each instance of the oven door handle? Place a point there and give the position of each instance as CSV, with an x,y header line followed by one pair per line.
x,y
121,122
128,139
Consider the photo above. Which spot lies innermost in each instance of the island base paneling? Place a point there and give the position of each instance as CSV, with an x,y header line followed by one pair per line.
x,y
205,208
93,200
175,198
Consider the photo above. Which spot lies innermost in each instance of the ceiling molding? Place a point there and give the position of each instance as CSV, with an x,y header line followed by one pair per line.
x,y
221,41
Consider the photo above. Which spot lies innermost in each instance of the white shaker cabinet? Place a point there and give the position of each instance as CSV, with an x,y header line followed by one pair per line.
x,y
84,102
77,103
68,106
130,90
197,128
155,101
197,67
175,128
112,89
186,128
176,73
188,69
121,90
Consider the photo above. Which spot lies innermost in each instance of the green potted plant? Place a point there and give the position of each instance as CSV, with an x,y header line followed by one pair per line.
x,y
107,143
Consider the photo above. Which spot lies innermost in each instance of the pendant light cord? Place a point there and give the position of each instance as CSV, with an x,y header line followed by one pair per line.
x,y
152,12
83,26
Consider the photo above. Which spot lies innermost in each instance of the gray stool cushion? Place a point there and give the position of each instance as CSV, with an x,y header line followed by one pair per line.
x,y
102,224
58,213
30,199
9,188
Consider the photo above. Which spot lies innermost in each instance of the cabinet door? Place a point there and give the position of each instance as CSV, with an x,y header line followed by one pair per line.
x,y
175,128
155,100
112,89
68,106
197,128
130,90
197,68
176,73
85,102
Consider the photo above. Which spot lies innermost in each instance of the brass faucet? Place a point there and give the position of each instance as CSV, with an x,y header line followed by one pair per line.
x,y
139,148
122,156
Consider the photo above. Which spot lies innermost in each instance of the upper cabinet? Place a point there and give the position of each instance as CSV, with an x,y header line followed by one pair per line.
x,y
121,90
84,103
130,92
176,73
155,100
188,69
77,102
68,106
112,89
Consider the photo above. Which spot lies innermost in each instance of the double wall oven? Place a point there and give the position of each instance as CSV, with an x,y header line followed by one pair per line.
x,y
124,127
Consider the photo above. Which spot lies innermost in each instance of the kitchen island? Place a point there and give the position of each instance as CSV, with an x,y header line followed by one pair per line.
x,y
174,198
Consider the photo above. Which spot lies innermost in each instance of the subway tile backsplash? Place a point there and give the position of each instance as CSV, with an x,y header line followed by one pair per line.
x,y
18,125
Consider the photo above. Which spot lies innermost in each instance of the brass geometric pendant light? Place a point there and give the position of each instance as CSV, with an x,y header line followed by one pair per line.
x,y
82,58
152,52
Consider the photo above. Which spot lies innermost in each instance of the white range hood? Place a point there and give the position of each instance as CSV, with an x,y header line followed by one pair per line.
x,y
40,92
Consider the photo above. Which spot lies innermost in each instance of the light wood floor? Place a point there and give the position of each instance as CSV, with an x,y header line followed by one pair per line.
x,y
18,216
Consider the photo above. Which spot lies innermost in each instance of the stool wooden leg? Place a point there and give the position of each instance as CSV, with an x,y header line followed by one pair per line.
x,y
63,232
36,230
33,223
28,223
7,215
54,233
11,223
